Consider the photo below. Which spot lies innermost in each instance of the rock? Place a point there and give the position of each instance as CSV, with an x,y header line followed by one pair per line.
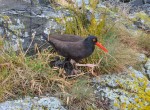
x,y
13,4
137,3
28,1
148,73
122,91
147,1
147,65
141,20
48,103
37,2
51,103
21,19
135,7
80,2
1,31
125,1
142,57
136,73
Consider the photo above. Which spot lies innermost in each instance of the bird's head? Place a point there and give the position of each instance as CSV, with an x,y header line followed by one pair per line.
x,y
92,40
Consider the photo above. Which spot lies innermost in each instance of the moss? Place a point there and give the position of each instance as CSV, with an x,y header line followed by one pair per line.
x,y
139,92
143,16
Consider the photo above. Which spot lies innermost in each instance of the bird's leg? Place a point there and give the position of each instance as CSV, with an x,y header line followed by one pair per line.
x,y
53,62
67,59
73,62
90,65
68,67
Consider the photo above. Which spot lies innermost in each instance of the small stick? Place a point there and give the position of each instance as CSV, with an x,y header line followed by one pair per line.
x,y
33,36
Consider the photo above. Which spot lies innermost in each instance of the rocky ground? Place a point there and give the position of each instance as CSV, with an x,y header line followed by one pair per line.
x,y
36,103
122,90
23,18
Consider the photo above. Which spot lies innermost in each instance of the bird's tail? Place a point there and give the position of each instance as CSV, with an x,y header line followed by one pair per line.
x,y
45,36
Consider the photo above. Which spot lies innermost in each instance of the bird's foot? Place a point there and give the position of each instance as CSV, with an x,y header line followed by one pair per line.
x,y
73,62
56,62
91,67
69,66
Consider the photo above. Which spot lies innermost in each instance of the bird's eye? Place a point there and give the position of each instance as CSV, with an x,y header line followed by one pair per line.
x,y
94,40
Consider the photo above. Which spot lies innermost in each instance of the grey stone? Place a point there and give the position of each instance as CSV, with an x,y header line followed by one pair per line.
x,y
23,19
125,1
137,3
28,1
147,65
46,2
1,31
142,57
49,103
137,73
79,2
148,73
147,1
116,88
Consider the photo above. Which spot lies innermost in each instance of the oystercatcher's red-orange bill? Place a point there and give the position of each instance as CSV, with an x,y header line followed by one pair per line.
x,y
101,46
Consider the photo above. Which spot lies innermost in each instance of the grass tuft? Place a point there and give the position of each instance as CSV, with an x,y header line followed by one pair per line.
x,y
120,55
144,43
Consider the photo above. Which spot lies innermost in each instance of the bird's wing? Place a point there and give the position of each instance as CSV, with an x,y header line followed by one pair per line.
x,y
68,49
66,37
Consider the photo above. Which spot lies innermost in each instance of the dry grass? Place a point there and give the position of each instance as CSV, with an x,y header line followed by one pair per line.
x,y
25,76
144,43
22,75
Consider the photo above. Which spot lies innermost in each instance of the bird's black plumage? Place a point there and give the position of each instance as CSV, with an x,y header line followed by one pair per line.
x,y
71,46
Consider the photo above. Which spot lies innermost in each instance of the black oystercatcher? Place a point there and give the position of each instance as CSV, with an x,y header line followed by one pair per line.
x,y
74,47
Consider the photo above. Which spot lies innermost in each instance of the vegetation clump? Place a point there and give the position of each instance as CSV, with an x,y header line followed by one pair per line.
x,y
106,31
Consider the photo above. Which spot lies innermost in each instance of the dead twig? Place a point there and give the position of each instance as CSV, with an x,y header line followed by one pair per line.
x,y
33,36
